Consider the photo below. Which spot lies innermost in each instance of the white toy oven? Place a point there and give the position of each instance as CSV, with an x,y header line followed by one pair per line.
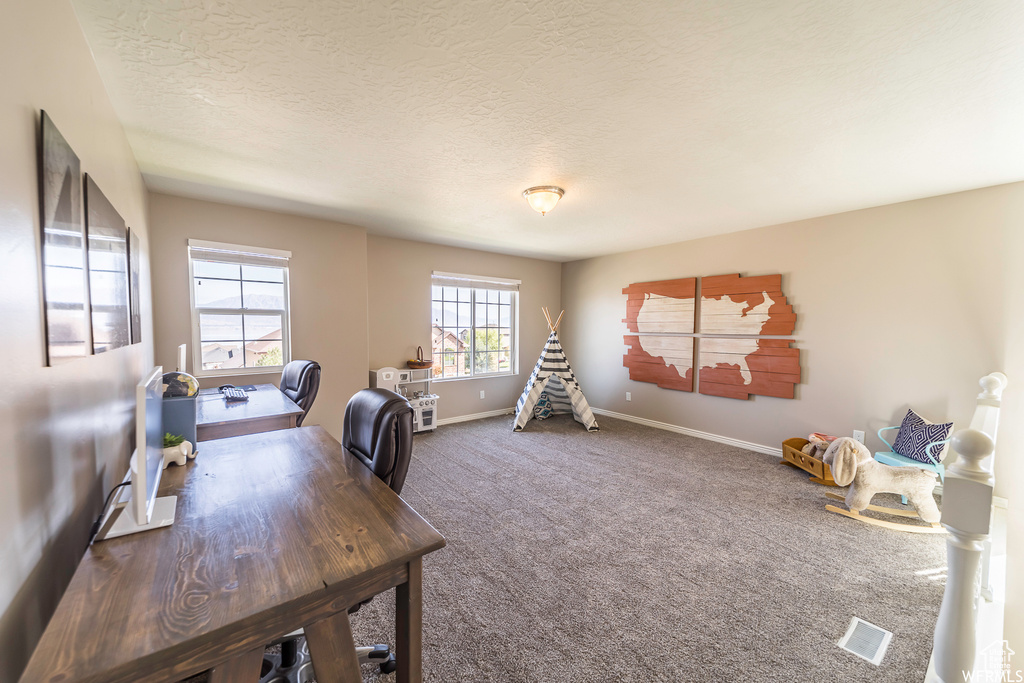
x,y
424,406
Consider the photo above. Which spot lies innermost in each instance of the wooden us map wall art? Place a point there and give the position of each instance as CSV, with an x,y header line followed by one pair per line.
x,y
661,314
735,356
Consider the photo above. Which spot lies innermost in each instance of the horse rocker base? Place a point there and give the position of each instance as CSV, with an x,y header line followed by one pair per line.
x,y
895,526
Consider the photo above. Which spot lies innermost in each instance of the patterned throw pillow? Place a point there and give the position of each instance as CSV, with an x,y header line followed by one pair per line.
x,y
542,410
916,433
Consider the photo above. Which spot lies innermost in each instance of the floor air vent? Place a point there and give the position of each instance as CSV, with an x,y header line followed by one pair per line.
x,y
865,640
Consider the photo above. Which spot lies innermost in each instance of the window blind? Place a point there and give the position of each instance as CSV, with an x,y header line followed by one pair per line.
x,y
233,253
477,281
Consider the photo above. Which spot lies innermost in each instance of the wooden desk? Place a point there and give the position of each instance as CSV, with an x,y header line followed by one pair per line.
x,y
273,531
266,410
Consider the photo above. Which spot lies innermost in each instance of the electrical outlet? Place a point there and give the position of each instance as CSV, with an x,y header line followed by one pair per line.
x,y
858,435
481,393
629,396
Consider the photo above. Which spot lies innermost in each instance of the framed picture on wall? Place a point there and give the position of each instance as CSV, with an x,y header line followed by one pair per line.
x,y
108,271
135,305
63,264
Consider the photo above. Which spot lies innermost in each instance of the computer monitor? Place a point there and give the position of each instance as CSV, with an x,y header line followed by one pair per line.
x,y
139,509
182,350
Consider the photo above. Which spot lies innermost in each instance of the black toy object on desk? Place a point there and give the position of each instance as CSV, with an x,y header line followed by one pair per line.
x,y
177,384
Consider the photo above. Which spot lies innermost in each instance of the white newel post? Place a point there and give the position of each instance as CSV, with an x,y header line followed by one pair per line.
x,y
966,515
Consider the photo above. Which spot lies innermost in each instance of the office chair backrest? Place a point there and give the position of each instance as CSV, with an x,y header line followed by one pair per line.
x,y
300,380
378,431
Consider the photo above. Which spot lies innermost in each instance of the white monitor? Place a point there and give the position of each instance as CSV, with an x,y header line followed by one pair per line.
x,y
140,509
181,358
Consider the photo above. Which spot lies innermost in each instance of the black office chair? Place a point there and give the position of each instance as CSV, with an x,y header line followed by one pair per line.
x,y
378,432
300,380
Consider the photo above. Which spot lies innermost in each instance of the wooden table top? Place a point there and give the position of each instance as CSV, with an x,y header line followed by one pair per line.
x,y
272,532
266,401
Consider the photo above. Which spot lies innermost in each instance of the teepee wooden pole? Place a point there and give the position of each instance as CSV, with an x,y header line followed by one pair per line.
x,y
547,316
555,328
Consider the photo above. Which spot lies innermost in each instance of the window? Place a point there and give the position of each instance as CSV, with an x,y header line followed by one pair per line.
x,y
473,328
239,309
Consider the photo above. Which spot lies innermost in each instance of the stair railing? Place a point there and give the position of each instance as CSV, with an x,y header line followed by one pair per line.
x,y
967,516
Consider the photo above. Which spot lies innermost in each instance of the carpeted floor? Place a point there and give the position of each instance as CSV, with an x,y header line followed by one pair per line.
x,y
635,554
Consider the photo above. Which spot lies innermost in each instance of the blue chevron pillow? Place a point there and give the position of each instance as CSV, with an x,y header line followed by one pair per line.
x,y
916,433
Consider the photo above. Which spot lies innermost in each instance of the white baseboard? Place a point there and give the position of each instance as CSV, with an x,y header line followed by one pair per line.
x,y
768,450
474,416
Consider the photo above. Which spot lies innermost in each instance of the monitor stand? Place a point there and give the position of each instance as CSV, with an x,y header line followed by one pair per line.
x,y
121,522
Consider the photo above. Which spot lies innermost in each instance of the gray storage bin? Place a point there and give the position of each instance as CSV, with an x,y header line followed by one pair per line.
x,y
179,414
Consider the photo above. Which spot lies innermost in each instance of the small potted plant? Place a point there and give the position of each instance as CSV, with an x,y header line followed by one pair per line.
x,y
177,449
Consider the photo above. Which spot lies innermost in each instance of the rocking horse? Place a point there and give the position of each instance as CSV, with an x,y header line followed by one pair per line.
x,y
853,466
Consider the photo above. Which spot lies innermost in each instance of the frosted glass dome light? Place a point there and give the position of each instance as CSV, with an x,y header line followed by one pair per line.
x,y
543,197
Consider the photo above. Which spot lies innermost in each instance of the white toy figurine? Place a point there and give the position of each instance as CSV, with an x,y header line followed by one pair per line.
x,y
179,454
853,466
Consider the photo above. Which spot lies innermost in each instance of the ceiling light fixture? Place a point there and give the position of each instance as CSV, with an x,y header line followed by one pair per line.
x,y
543,197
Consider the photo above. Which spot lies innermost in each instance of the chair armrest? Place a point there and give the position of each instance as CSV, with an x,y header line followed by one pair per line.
x,y
933,444
885,429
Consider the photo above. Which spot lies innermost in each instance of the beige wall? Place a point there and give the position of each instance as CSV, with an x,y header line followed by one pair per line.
x,y
327,280
901,305
399,289
1011,435
66,430
355,299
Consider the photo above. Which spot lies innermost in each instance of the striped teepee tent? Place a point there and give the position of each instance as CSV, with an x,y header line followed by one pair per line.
x,y
553,387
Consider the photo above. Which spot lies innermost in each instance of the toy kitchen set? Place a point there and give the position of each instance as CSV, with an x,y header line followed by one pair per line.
x,y
415,386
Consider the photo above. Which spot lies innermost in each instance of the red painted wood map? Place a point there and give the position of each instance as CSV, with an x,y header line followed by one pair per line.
x,y
660,313
734,360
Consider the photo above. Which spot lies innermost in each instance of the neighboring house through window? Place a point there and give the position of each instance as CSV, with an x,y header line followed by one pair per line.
x,y
473,325
239,300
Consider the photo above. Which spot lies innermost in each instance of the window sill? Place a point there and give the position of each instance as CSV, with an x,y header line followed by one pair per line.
x,y
493,375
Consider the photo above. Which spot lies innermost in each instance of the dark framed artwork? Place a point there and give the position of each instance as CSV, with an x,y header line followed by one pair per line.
x,y
65,290
134,266
108,270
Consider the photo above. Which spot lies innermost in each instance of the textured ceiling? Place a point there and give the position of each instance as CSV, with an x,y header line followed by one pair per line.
x,y
663,121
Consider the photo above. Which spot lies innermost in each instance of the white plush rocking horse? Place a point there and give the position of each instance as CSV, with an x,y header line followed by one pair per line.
x,y
853,466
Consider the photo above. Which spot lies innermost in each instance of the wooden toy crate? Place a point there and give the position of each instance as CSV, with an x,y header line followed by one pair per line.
x,y
819,471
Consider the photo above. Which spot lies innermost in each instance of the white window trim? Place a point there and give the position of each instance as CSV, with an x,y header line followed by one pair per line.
x,y
236,253
469,378
438,278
